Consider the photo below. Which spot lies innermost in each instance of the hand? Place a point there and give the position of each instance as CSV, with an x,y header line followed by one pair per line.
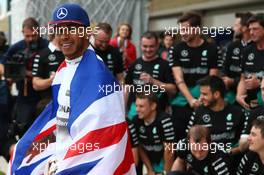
x,y
243,143
146,78
52,75
1,69
151,172
252,82
241,100
228,81
195,103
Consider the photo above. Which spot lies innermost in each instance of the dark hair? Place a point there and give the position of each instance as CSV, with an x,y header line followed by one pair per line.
x,y
244,17
105,27
215,83
193,18
150,35
259,123
198,132
259,17
129,28
30,23
3,38
152,97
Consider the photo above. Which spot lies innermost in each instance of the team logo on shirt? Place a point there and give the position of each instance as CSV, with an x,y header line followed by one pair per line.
x,y
206,118
156,66
204,53
255,167
251,56
236,51
189,158
52,57
205,169
261,117
229,117
184,53
142,129
109,56
154,130
62,13
138,67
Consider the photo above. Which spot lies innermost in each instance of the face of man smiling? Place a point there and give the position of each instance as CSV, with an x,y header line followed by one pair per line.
x,y
70,41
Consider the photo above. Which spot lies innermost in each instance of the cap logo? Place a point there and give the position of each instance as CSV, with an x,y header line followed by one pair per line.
x,y
62,13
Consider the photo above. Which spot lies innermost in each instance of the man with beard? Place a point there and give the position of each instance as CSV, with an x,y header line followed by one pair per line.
x,y
232,64
224,120
24,51
193,59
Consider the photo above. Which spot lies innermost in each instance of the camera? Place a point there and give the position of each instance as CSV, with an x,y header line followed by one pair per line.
x,y
15,67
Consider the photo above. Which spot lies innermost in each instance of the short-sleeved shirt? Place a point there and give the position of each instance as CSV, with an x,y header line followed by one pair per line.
x,y
151,137
112,59
159,69
250,164
196,62
232,61
252,63
225,125
258,112
216,162
45,63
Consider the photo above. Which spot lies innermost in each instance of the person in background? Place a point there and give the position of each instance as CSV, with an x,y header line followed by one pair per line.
x,y
123,42
110,55
196,154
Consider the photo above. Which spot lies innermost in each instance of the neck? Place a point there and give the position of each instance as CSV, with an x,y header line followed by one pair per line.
x,y
246,37
219,106
196,42
260,44
148,59
150,119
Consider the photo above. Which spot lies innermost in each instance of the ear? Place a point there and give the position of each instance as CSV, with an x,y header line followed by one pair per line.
x,y
153,106
217,94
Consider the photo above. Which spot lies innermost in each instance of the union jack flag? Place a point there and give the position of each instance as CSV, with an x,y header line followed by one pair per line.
x,y
96,119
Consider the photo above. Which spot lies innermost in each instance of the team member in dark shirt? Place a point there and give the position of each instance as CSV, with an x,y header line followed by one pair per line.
x,y
202,156
110,55
166,47
253,160
150,131
193,59
232,57
27,49
149,73
45,65
224,120
248,91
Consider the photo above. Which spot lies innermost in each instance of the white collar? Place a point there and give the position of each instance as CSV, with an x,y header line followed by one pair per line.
x,y
52,47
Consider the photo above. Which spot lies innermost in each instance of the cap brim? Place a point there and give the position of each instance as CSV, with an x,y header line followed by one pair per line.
x,y
54,23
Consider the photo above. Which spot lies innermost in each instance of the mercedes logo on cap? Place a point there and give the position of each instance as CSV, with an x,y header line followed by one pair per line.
x,y
62,13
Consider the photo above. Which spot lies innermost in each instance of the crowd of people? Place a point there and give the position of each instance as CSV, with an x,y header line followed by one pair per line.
x,y
194,108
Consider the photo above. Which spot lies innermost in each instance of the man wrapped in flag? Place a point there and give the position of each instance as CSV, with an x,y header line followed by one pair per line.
x,y
83,130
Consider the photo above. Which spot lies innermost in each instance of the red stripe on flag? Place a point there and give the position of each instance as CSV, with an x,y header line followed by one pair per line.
x,y
97,139
45,133
62,65
128,160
